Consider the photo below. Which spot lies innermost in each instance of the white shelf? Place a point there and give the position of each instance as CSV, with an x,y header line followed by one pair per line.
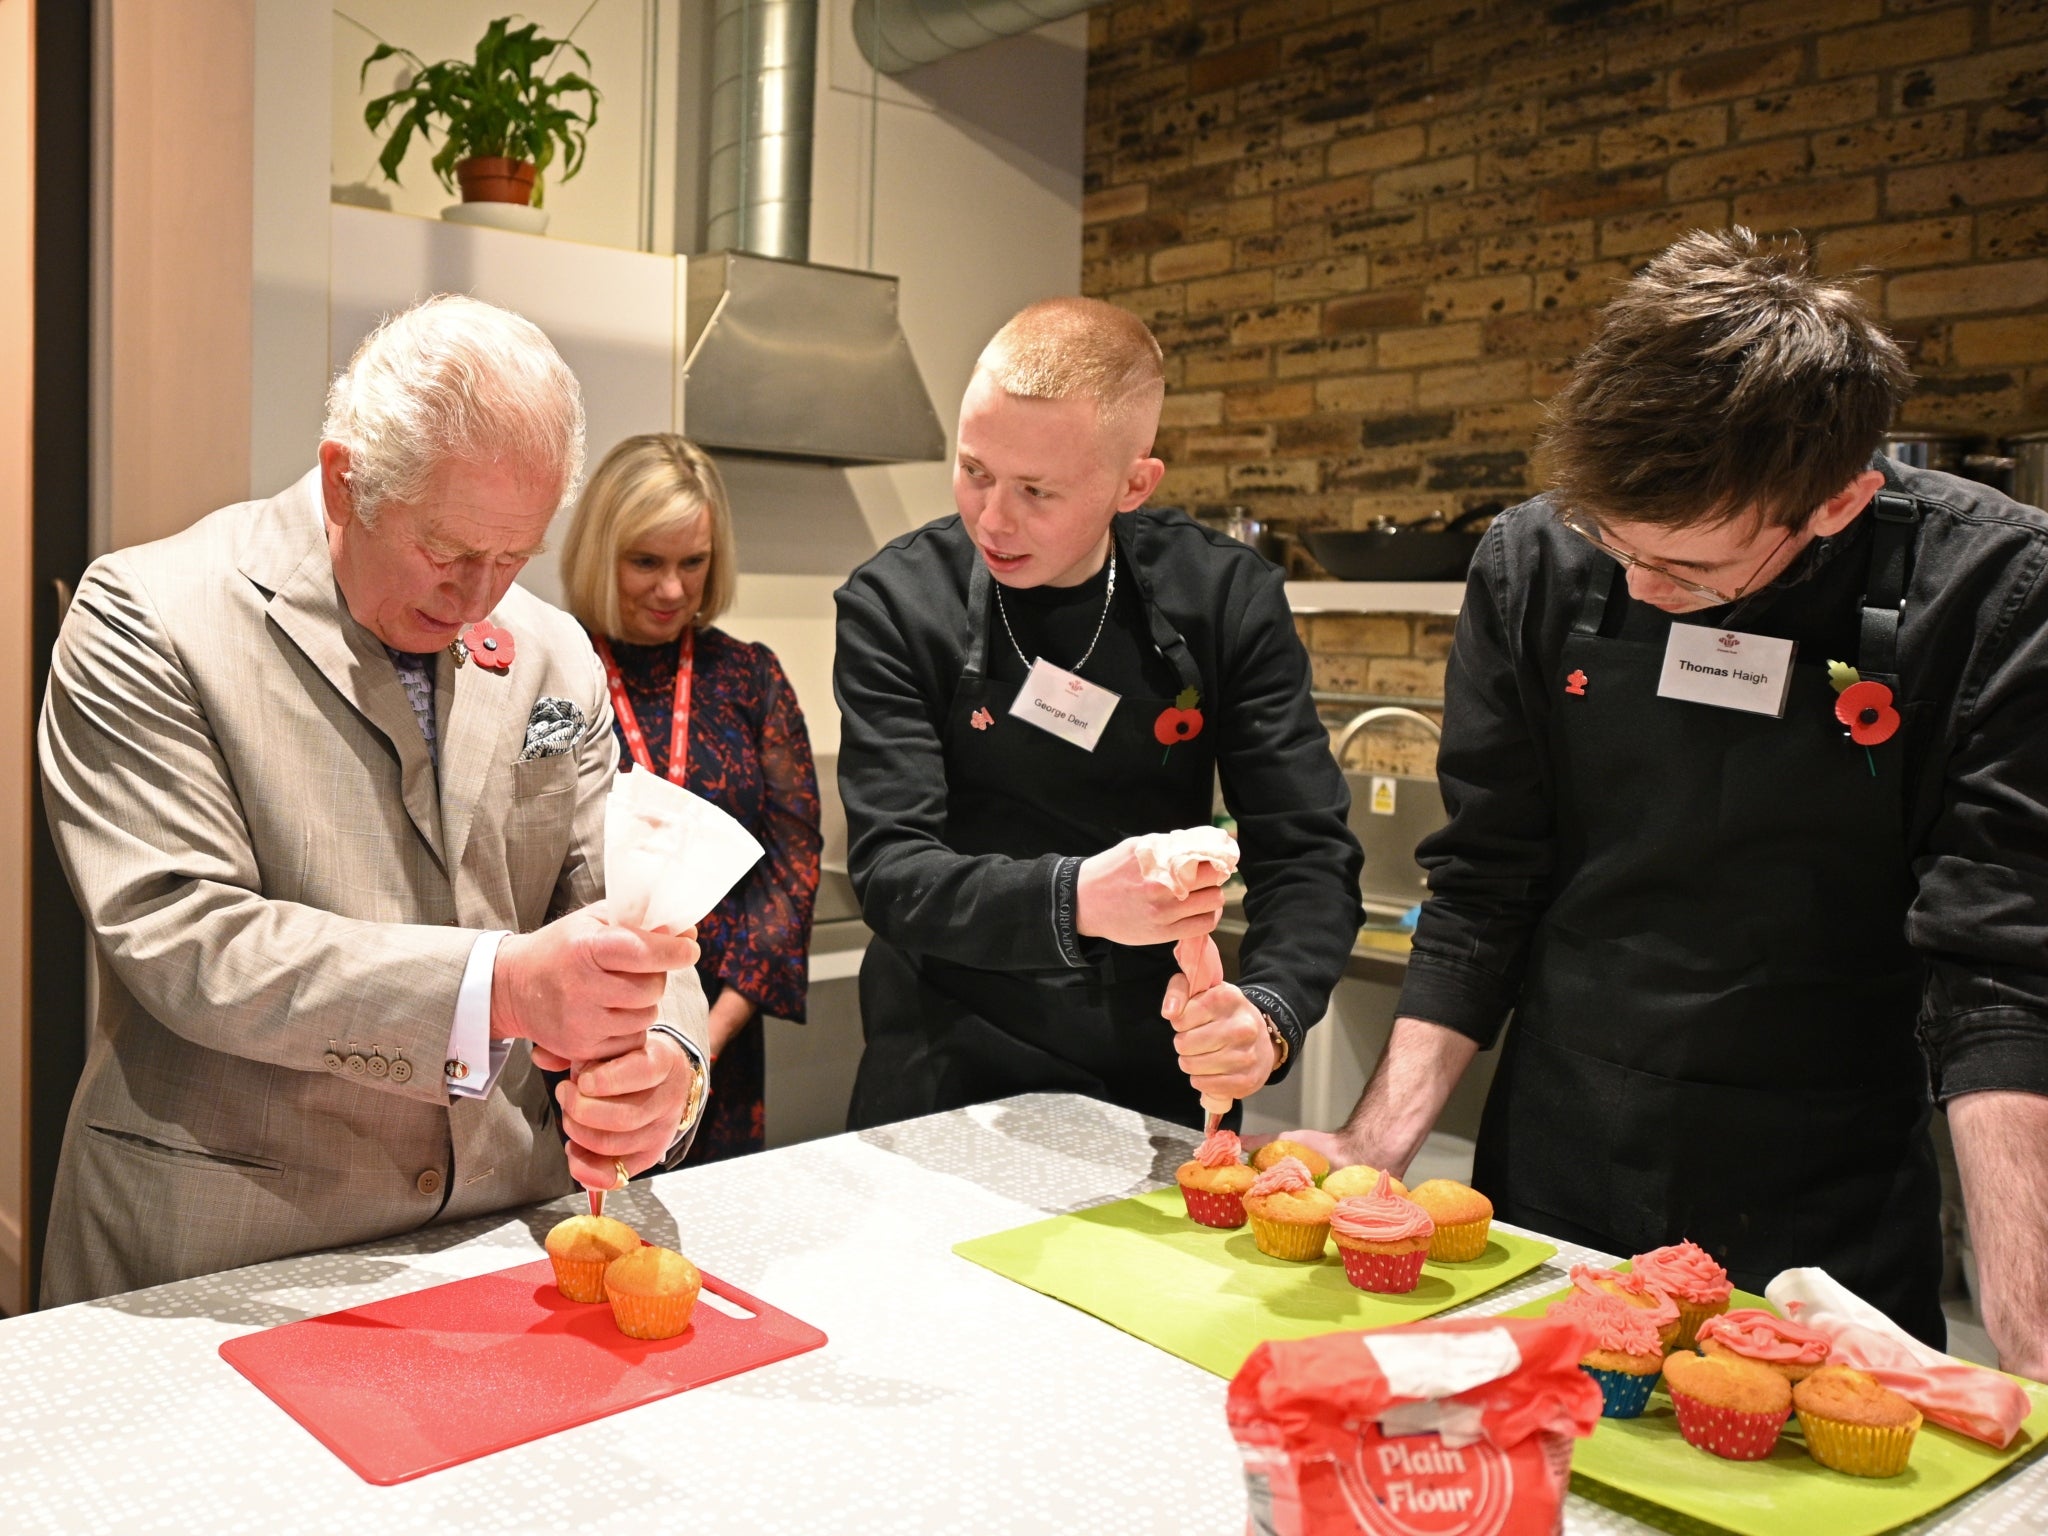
x,y
1375,596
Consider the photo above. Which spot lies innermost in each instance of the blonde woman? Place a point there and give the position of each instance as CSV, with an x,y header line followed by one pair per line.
x,y
649,564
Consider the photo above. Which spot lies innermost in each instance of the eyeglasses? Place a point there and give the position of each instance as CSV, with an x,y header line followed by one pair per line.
x,y
1587,529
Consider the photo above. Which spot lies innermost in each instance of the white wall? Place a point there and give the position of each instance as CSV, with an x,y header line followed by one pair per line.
x,y
624,195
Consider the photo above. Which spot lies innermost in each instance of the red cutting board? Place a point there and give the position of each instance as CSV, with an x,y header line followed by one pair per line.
x,y
420,1382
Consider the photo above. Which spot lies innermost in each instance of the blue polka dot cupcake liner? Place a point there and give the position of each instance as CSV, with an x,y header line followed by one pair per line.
x,y
1622,1395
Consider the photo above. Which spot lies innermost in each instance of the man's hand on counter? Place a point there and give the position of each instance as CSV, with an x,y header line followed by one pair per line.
x,y
1225,1048
1394,1116
624,1110
1113,900
584,988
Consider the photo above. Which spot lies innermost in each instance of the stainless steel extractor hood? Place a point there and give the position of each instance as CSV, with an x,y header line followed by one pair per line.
x,y
782,358
800,361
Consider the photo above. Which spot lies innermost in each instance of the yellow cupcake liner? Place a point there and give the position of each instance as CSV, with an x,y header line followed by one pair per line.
x,y
580,1279
653,1317
1690,1315
1290,1239
1455,1245
1861,1450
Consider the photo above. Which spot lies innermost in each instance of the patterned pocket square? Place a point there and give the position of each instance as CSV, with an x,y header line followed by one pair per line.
x,y
553,728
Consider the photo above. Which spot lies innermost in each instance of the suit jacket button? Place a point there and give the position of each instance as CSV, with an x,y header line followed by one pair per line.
x,y
379,1067
356,1065
333,1061
429,1182
401,1071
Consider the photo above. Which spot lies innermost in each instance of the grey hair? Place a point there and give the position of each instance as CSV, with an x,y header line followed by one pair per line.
x,y
454,379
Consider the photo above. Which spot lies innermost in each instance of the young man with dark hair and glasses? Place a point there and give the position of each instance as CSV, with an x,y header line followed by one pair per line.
x,y
1746,758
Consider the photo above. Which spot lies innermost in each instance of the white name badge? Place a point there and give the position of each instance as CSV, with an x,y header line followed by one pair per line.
x,y
1070,707
1727,668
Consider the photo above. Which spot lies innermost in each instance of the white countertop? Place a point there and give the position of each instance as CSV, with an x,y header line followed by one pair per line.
x,y
948,1399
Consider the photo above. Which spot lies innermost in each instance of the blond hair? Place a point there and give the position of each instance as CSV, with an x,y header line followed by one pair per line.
x,y
1074,348
646,484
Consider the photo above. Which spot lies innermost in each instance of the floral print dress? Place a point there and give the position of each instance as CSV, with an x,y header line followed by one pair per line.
x,y
750,756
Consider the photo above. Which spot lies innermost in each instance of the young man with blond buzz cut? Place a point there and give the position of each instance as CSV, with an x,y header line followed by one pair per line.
x,y
1028,687
1755,917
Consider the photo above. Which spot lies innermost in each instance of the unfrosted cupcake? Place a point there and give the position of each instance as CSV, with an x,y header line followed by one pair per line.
x,y
652,1292
580,1249
1729,1407
1273,1151
1633,1290
1626,1356
1290,1217
1854,1423
1687,1274
1382,1238
1794,1352
1359,1179
1463,1217
1213,1182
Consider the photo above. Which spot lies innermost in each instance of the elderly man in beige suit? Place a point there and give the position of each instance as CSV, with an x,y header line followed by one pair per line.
x,y
339,844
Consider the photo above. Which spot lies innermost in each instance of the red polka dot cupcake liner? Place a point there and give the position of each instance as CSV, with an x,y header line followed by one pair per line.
x,y
1212,1209
1389,1274
1726,1433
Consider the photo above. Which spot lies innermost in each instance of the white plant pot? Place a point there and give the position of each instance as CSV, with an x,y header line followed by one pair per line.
x,y
512,216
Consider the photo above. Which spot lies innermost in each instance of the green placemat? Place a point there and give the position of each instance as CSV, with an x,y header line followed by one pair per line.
x,y
1211,1297
1788,1493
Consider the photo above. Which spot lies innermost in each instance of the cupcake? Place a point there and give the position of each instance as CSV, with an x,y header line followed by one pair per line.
x,y
1359,1179
1689,1276
1381,1238
1728,1406
1273,1151
581,1247
1290,1216
652,1292
1462,1216
1213,1181
1627,1355
1854,1423
1795,1353
1632,1289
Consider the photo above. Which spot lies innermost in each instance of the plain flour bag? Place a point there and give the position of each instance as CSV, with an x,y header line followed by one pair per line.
x,y
669,856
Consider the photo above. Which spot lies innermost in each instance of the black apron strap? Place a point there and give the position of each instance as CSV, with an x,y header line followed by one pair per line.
x,y
1895,528
1165,638
978,584
1599,597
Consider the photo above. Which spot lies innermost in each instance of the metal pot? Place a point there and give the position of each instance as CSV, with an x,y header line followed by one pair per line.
x,y
1432,550
2029,455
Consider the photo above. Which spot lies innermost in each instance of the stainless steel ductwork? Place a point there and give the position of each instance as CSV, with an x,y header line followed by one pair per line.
x,y
764,66
901,34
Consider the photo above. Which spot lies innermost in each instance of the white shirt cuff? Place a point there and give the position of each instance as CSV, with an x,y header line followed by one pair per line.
x,y
473,1056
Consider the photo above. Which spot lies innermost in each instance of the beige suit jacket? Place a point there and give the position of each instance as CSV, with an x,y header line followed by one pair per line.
x,y
278,880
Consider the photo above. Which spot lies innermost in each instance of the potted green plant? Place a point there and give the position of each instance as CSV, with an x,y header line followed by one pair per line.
x,y
502,115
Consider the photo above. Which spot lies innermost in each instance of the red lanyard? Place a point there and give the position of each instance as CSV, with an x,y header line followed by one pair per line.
x,y
679,723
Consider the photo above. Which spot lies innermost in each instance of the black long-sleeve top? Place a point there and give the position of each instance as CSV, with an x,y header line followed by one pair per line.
x,y
1973,663
902,643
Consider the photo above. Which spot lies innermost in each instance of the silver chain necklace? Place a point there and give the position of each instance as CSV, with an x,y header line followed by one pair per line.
x,y
1107,598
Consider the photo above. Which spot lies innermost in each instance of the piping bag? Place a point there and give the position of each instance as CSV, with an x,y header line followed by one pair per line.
x,y
1187,861
669,858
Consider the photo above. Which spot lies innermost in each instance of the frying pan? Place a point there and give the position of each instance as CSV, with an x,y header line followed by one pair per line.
x,y
1394,552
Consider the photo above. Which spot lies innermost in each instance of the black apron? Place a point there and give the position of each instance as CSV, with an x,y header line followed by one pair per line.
x,y
940,1035
1715,1038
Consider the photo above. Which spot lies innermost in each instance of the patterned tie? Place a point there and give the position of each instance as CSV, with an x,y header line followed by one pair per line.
x,y
416,677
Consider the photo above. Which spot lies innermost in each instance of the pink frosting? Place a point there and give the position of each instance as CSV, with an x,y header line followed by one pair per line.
x,y
1596,1282
1615,1325
1380,1217
1685,1270
1288,1176
1759,1335
1220,1149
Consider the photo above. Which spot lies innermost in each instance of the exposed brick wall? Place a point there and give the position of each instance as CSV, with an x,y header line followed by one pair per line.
x,y
1371,236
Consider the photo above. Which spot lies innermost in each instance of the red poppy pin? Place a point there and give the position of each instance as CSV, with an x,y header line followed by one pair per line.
x,y
486,645
1866,709
1179,721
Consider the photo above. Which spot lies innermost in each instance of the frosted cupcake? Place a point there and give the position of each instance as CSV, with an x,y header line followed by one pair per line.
x,y
1290,1217
1382,1238
1794,1352
1213,1182
1687,1274
1627,1356
1632,1290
